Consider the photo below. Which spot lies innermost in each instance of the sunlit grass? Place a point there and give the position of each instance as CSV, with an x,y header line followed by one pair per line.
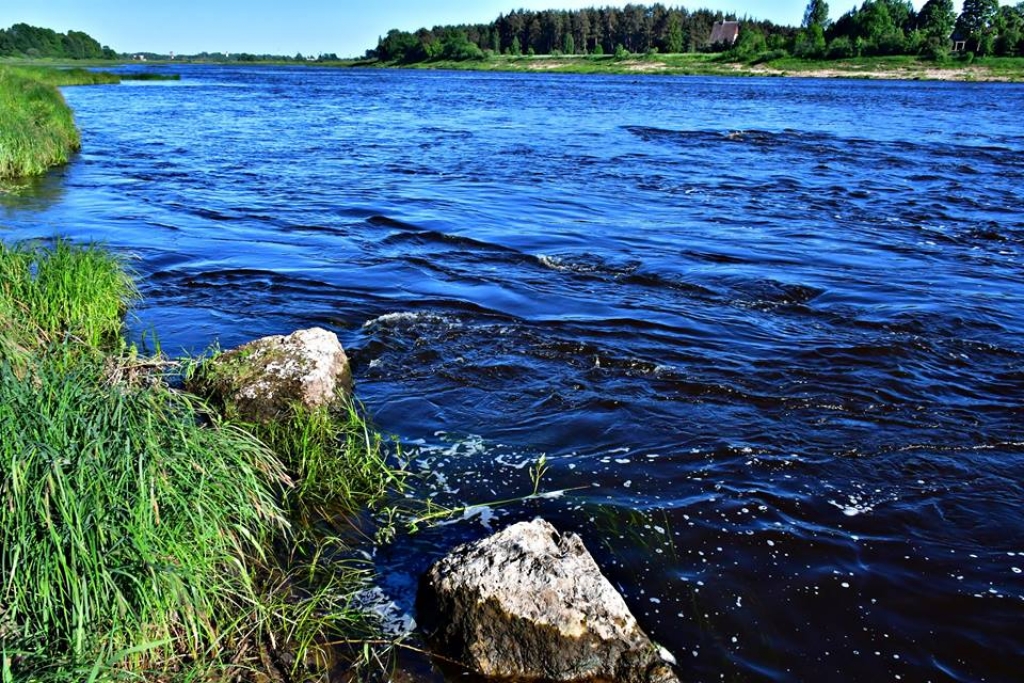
x,y
337,460
38,129
122,521
50,294
141,536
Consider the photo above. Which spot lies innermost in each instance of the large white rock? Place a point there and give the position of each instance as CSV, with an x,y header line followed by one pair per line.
x,y
260,380
531,603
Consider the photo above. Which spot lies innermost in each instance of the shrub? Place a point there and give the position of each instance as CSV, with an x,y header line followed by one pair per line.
x,y
841,48
936,51
770,56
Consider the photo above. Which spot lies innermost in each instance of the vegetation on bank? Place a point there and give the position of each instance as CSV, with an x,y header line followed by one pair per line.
x,y
711,64
877,28
38,130
141,536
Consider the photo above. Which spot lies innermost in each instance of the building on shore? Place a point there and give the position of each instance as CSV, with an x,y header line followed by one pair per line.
x,y
725,33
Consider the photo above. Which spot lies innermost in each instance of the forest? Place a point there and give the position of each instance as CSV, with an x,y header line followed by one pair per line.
x,y
876,28
22,40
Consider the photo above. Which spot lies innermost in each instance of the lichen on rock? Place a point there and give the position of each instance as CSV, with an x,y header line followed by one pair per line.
x,y
530,603
260,381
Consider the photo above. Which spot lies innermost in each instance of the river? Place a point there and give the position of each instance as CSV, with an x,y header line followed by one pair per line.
x,y
767,333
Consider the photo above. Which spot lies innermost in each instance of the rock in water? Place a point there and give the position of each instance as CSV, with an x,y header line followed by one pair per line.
x,y
260,381
531,603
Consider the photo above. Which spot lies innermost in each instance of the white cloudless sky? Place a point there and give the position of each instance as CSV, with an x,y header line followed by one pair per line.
x,y
343,27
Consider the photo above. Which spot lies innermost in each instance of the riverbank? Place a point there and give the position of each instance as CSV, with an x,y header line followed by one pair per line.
x,y
39,128
1009,69
142,534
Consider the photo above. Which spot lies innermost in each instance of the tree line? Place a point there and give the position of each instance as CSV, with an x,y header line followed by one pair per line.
x,y
893,27
633,28
22,40
877,27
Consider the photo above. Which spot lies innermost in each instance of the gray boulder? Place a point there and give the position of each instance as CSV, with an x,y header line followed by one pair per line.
x,y
260,381
531,603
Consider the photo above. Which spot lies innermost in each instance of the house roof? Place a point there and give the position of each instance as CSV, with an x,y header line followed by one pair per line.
x,y
725,32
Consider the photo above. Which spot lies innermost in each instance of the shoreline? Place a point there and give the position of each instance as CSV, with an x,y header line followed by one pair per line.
x,y
240,543
995,70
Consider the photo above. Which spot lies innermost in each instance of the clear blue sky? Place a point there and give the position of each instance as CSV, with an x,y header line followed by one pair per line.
x,y
344,27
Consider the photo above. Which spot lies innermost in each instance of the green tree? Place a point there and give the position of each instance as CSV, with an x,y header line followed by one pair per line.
x,y
569,44
879,29
1009,27
816,14
810,44
456,46
517,48
937,19
674,33
749,43
397,46
975,22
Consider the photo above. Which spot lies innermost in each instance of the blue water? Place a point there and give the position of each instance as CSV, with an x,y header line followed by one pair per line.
x,y
769,334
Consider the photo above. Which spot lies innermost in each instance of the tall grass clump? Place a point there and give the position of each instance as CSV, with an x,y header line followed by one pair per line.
x,y
38,128
125,525
56,293
142,537
337,460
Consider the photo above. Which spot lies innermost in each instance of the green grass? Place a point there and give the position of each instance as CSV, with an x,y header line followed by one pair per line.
x,y
38,129
124,524
61,293
337,460
60,77
141,536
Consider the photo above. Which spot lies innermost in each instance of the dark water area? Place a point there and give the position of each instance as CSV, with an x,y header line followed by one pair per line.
x,y
769,334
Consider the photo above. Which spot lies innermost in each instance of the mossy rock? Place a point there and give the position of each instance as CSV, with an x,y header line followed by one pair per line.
x,y
261,381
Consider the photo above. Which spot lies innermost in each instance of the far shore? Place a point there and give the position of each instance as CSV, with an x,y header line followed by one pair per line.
x,y
1005,70
953,69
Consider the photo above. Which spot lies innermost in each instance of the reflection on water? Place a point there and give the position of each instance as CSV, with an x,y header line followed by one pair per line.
x,y
768,333
21,195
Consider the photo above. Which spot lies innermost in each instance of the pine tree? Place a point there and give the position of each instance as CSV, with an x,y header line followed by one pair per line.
x,y
816,14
